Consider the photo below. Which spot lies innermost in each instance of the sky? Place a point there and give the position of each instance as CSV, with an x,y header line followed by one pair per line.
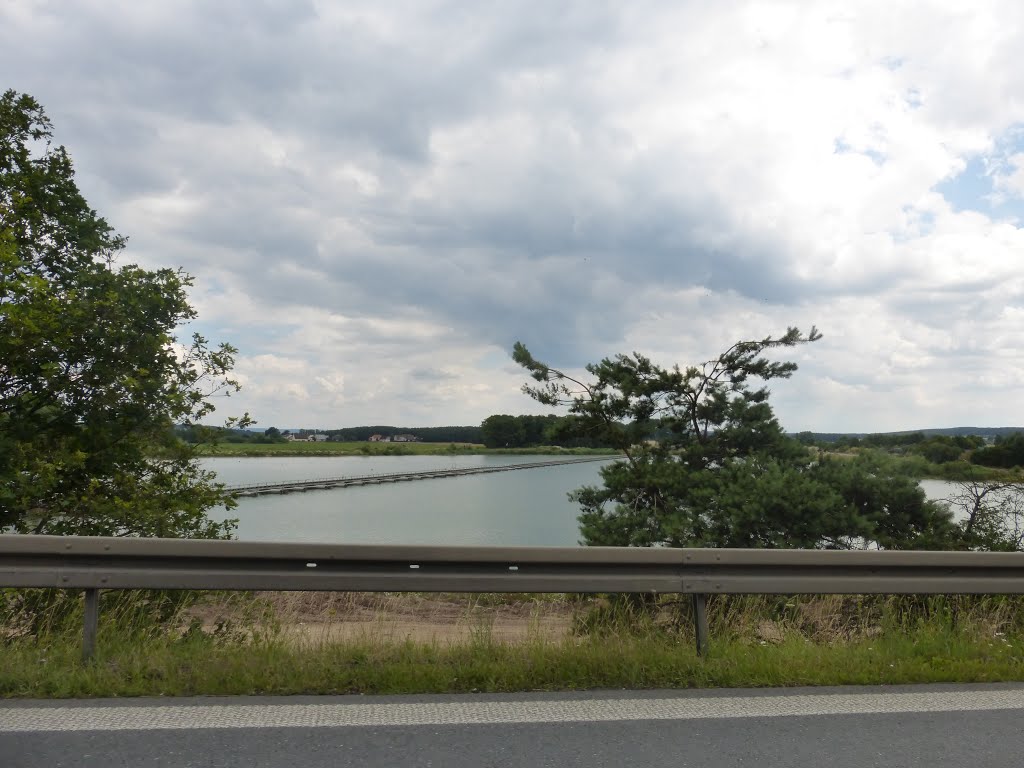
x,y
378,199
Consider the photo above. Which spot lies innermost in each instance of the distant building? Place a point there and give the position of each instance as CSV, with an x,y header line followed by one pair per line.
x,y
404,439
378,439
318,439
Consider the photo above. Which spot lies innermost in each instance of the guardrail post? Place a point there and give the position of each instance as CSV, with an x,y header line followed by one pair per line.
x,y
92,617
700,621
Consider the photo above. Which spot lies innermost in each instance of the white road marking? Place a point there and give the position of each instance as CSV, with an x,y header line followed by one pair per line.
x,y
141,718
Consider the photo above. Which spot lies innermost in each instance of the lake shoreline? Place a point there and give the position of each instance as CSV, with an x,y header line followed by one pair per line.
x,y
321,449
959,471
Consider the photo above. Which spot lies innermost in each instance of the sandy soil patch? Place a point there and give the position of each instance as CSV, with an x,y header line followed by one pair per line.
x,y
329,617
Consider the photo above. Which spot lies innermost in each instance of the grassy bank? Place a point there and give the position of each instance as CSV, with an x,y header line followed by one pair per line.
x,y
386,449
203,666
962,471
920,468
755,642
914,466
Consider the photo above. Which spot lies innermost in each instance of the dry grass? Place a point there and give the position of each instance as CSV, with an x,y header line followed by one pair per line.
x,y
319,617
304,617
290,643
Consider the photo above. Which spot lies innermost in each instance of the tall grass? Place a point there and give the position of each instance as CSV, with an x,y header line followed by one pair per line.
x,y
243,645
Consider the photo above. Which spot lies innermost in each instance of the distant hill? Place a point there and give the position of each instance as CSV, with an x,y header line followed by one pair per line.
x,y
986,432
474,434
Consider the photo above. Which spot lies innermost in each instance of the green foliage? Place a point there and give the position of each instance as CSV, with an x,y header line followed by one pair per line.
x,y
893,439
707,464
200,434
883,495
939,450
936,445
504,431
965,470
754,642
1007,452
92,377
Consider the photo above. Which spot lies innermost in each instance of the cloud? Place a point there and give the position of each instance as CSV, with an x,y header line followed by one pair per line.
x,y
378,200
1010,180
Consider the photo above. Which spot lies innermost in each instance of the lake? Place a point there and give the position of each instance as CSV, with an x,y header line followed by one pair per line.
x,y
519,508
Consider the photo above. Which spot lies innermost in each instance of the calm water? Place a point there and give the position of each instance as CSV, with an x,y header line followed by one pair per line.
x,y
519,508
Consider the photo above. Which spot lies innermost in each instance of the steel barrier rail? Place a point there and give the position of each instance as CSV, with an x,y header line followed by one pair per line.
x,y
94,563
72,562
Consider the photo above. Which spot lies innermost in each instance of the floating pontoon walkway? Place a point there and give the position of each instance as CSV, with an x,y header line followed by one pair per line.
x,y
345,482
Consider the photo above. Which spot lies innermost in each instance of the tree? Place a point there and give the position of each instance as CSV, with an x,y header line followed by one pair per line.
x,y
991,514
92,377
1007,452
707,464
939,449
503,431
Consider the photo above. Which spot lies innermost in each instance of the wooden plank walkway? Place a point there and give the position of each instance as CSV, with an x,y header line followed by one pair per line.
x,y
399,477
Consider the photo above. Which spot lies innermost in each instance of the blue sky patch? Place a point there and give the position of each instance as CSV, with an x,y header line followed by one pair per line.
x,y
841,147
975,188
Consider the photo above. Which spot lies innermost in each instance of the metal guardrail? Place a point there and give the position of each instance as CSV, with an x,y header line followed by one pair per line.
x,y
95,563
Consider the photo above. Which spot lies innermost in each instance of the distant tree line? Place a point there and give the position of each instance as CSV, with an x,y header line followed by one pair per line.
x,y
504,431
933,446
507,431
498,431
196,434
885,439
913,440
1007,452
426,434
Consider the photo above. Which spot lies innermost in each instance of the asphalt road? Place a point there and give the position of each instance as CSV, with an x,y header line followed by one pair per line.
x,y
933,726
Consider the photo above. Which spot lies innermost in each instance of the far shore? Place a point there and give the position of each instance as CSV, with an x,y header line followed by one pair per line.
x,y
297,448
959,471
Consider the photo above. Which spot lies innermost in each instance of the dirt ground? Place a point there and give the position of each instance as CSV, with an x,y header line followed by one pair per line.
x,y
326,617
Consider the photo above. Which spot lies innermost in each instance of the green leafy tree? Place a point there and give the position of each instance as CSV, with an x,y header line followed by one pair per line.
x,y
92,376
1007,452
707,463
886,499
503,431
939,449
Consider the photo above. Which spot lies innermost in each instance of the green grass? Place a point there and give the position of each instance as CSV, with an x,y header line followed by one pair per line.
x,y
958,471
196,665
385,449
755,642
916,466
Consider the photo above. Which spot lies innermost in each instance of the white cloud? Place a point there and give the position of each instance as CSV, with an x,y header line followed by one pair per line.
x,y
1011,182
377,200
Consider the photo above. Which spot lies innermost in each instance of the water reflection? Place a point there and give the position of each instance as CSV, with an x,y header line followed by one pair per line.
x,y
518,508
